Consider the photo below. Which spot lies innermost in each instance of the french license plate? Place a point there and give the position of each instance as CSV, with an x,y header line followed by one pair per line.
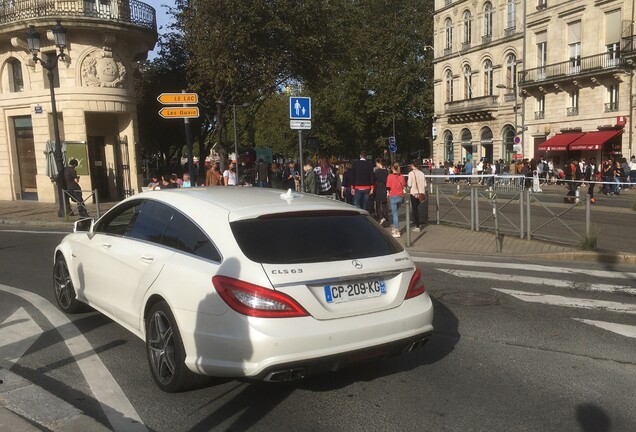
x,y
354,291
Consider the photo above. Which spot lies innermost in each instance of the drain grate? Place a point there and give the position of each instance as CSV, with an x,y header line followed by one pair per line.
x,y
470,299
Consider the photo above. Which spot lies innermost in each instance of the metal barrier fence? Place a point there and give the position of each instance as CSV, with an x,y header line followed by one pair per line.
x,y
521,213
92,210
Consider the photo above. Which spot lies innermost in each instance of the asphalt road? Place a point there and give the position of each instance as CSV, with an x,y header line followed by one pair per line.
x,y
496,362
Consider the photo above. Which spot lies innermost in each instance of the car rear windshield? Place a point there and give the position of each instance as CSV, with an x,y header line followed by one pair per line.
x,y
312,237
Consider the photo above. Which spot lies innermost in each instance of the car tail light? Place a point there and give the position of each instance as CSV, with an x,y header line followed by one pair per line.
x,y
256,301
416,286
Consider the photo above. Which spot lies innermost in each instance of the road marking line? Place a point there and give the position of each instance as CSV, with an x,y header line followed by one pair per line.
x,y
33,231
529,267
17,334
559,283
116,406
621,329
556,300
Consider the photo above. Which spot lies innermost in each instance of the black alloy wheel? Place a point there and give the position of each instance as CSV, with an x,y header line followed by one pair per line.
x,y
64,291
166,355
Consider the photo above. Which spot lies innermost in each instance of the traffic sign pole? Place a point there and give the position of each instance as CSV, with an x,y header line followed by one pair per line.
x,y
301,168
188,137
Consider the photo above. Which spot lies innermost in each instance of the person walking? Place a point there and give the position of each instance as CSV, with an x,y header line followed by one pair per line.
x,y
589,176
262,177
379,192
362,181
275,176
345,187
72,186
290,176
213,177
417,187
325,177
229,175
310,184
395,187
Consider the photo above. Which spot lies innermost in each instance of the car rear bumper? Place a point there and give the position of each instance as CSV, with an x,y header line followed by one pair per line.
x,y
234,345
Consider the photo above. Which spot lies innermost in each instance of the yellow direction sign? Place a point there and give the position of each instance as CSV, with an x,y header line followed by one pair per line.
x,y
179,112
178,98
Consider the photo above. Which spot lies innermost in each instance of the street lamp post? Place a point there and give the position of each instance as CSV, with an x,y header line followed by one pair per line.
x,y
516,109
236,155
33,43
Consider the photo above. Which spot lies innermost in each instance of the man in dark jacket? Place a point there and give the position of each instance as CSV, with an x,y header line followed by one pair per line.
x,y
72,186
362,181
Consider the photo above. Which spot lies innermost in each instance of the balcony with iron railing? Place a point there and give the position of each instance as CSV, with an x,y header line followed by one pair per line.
x,y
474,104
119,11
598,63
573,111
539,115
510,31
611,106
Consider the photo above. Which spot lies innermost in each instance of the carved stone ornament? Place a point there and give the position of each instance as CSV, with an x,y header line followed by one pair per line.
x,y
101,69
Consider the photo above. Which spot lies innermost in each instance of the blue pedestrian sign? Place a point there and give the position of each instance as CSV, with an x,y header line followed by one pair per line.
x,y
300,108
392,148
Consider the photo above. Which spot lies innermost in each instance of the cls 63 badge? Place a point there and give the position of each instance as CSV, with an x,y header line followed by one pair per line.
x,y
287,271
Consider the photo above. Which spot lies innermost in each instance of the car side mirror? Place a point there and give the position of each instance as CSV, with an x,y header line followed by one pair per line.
x,y
84,225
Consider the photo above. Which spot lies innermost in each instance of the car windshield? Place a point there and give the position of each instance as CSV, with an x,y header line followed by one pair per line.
x,y
312,237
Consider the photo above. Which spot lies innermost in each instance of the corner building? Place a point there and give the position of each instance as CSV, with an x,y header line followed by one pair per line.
x,y
94,90
572,98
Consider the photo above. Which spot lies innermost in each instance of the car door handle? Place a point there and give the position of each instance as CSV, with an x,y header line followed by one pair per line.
x,y
146,259
106,245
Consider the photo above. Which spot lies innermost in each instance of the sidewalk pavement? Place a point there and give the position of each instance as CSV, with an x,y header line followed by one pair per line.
x,y
443,239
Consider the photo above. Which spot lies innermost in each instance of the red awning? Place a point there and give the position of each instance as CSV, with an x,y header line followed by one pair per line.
x,y
594,140
559,142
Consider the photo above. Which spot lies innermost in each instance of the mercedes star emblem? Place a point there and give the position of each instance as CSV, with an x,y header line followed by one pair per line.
x,y
356,264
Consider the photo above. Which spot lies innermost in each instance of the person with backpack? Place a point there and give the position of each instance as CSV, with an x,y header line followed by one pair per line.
x,y
325,177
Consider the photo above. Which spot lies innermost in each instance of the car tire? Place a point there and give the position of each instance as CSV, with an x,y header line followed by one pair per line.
x,y
64,290
166,355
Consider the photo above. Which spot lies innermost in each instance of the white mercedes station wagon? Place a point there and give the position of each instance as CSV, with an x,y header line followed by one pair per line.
x,y
245,282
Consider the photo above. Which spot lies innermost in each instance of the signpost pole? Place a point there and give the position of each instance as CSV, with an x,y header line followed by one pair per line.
x,y
301,168
188,137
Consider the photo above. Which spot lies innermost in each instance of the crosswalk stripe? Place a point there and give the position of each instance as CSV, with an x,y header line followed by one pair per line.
x,y
559,283
118,410
529,267
17,334
556,300
622,329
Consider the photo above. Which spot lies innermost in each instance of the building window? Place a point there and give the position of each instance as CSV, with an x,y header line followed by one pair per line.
x,y
613,27
613,55
511,17
468,29
574,47
16,82
612,98
448,147
468,82
449,86
488,85
487,22
542,59
511,71
508,142
539,114
573,109
542,4
449,35
467,144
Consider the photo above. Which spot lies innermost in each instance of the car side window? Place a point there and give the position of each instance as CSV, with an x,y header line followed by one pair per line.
x,y
119,221
151,222
184,235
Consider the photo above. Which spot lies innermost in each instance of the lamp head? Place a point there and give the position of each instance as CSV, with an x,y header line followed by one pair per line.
x,y
59,35
33,40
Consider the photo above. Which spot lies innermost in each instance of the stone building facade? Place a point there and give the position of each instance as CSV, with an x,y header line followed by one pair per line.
x,y
540,67
94,91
